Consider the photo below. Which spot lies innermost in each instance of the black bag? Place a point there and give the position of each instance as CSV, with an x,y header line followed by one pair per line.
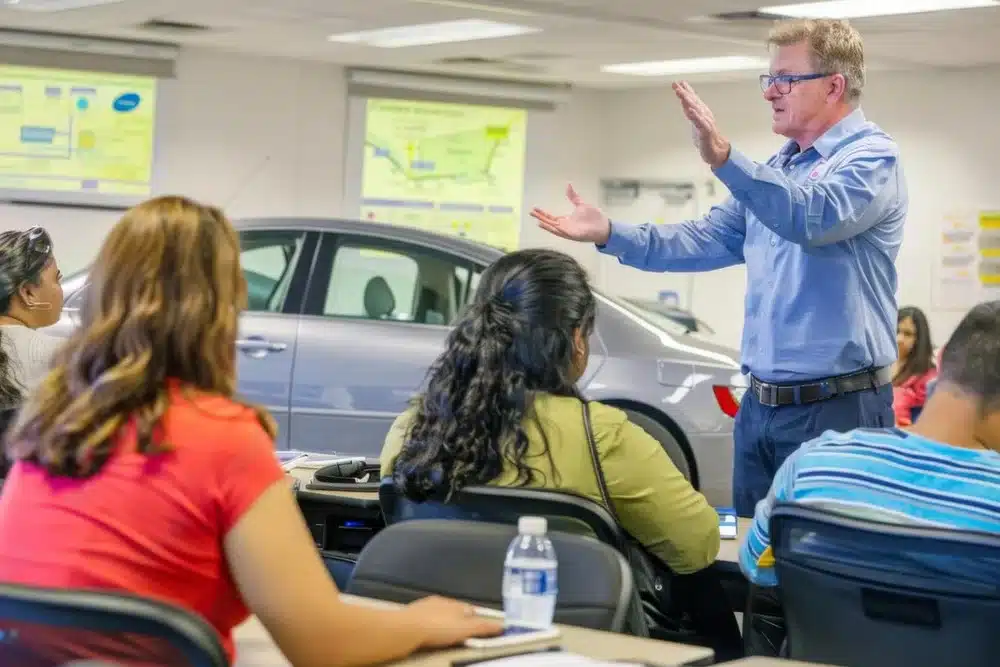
x,y
691,609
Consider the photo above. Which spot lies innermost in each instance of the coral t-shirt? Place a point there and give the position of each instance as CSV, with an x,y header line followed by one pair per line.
x,y
147,525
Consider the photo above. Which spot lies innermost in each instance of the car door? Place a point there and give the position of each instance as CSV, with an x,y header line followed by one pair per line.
x,y
376,316
275,264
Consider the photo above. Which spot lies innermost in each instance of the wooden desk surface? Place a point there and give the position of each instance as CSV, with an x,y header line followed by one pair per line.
x,y
729,550
255,648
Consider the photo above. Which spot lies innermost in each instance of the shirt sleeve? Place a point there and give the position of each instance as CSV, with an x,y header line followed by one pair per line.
x,y
849,199
654,502
246,468
714,242
756,558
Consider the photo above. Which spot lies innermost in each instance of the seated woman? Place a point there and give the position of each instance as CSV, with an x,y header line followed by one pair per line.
x,y
502,407
914,367
138,470
30,298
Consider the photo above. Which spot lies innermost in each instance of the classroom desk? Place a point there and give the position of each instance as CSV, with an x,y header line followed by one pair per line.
x,y
255,648
729,550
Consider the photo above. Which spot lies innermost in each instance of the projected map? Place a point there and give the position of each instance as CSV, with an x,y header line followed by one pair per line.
x,y
76,131
451,168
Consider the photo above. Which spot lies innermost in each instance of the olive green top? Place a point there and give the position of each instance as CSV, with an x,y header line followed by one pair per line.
x,y
653,500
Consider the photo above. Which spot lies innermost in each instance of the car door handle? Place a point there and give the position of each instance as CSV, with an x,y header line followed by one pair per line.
x,y
258,347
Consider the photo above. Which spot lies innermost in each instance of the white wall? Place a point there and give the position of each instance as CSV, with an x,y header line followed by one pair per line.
x,y
945,124
266,136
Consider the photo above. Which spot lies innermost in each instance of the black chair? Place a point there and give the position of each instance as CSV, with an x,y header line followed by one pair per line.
x,y
42,627
870,594
656,591
464,560
565,512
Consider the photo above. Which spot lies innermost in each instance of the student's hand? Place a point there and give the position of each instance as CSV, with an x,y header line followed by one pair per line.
x,y
446,622
585,223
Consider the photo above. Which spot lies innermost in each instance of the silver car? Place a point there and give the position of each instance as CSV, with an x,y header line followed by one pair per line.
x,y
345,318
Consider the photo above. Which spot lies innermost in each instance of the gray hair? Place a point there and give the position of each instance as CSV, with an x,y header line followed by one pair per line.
x,y
835,45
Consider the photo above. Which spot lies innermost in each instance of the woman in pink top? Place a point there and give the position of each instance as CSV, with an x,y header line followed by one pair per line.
x,y
915,366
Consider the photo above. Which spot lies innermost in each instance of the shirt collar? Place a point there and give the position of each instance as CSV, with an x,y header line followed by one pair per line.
x,y
828,142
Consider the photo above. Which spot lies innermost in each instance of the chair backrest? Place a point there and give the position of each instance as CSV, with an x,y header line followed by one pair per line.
x,y
464,560
42,627
866,593
565,512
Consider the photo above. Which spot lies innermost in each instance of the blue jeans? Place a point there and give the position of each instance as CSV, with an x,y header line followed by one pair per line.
x,y
765,436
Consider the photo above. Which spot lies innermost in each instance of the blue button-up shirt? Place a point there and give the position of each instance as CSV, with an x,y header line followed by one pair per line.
x,y
819,231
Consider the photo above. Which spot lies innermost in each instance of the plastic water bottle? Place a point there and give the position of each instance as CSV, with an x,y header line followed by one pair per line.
x,y
529,576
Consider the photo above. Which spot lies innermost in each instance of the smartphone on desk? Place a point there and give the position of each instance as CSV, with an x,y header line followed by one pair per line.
x,y
728,524
513,635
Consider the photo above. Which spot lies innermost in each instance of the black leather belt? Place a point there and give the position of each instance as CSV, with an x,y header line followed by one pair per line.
x,y
774,395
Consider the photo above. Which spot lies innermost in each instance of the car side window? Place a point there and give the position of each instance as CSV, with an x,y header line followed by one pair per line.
x,y
268,258
398,283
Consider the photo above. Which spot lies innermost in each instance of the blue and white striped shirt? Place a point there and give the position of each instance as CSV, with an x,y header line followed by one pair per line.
x,y
885,475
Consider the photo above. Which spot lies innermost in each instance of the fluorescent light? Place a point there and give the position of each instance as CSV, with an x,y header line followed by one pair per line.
x,y
477,6
54,5
856,9
688,66
433,33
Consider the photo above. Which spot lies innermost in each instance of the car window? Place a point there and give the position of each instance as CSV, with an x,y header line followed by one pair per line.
x,y
374,282
268,258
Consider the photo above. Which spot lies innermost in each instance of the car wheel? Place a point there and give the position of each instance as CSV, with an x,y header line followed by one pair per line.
x,y
663,436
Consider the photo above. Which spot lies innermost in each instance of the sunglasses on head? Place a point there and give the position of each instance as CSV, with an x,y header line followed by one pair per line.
x,y
39,245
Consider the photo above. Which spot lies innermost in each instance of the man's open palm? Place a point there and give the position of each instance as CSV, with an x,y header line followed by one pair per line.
x,y
585,223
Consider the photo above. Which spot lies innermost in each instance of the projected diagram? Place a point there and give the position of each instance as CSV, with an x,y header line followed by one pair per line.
x,y
450,168
75,131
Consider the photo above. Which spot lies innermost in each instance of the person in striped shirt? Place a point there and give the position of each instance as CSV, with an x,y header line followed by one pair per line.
x,y
944,470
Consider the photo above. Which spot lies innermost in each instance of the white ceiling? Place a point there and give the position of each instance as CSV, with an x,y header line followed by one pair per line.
x,y
577,36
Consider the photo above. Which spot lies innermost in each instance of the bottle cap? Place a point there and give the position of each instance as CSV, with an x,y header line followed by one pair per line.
x,y
532,525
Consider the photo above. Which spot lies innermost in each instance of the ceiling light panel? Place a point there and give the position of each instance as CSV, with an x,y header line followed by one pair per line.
x,y
54,5
856,9
433,33
688,66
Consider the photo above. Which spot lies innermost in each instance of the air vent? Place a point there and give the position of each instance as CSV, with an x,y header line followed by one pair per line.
x,y
489,63
536,56
173,27
744,17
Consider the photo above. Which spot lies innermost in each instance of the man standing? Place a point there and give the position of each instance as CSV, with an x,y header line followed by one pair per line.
x,y
818,225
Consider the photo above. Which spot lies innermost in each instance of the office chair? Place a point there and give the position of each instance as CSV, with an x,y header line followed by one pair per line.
x,y
565,512
42,627
869,594
652,612
464,560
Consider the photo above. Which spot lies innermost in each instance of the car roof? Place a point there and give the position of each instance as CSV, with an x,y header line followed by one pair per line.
x,y
446,242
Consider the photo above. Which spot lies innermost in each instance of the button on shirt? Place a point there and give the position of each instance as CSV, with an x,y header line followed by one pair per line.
x,y
819,231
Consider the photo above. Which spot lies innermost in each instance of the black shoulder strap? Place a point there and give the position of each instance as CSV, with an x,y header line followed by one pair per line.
x,y
595,459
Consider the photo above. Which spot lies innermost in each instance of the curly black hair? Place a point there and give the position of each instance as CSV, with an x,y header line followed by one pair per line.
x,y
516,338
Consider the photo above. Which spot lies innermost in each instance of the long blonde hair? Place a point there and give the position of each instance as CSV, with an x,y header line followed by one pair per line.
x,y
163,302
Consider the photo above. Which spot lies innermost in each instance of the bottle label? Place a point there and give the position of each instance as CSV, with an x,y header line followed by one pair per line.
x,y
533,582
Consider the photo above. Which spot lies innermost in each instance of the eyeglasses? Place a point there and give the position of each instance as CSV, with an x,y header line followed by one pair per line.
x,y
783,82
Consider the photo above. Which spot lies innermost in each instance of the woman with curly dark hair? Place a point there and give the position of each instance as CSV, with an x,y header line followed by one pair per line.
x,y
502,407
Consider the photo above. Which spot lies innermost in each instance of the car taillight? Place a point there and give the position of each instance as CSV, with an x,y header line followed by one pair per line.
x,y
726,398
